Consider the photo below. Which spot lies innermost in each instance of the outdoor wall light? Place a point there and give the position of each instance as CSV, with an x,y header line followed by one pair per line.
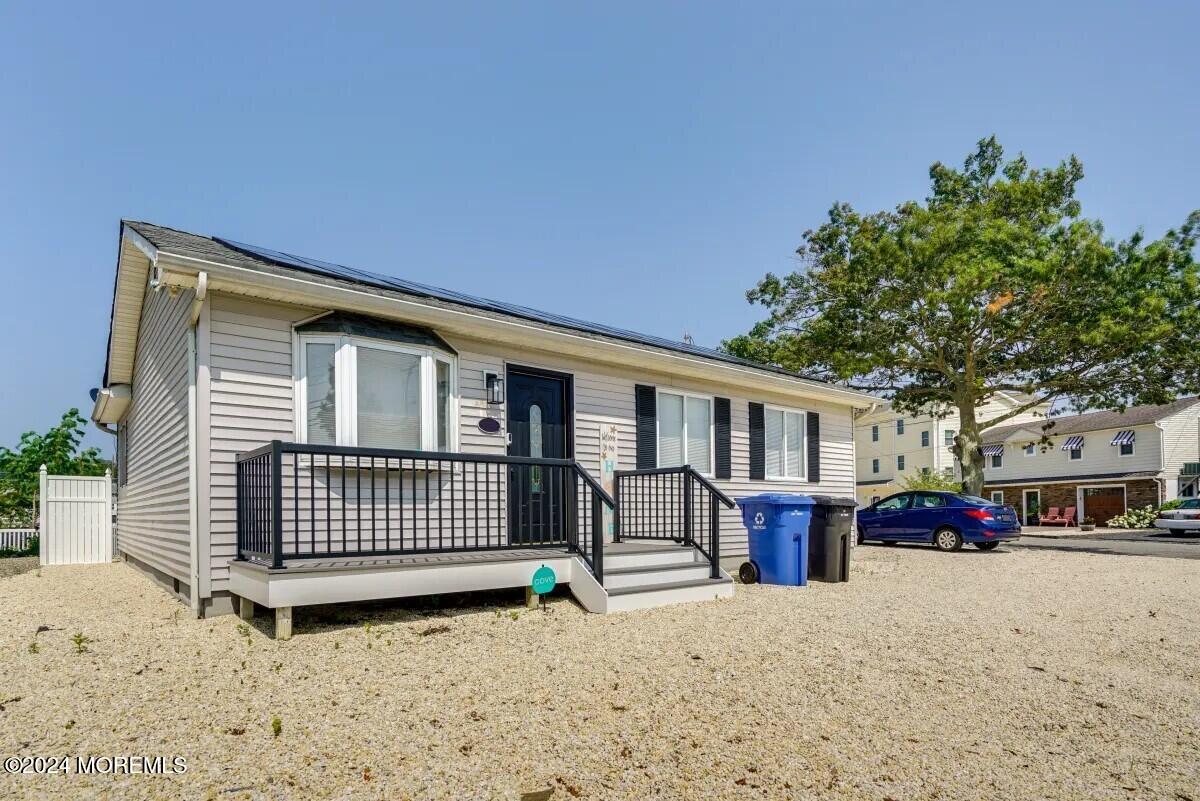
x,y
495,389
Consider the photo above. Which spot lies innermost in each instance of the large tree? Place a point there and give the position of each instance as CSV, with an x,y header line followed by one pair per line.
x,y
59,450
995,283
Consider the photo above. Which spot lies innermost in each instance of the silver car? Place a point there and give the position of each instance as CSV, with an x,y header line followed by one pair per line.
x,y
1184,518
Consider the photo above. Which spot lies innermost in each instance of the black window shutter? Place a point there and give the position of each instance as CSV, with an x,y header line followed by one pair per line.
x,y
645,409
814,447
724,453
758,443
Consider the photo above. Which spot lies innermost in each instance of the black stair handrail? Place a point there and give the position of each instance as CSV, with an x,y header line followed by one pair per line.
x,y
661,503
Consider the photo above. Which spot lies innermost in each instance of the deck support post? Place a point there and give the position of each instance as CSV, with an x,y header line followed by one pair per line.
x,y
283,622
245,608
531,598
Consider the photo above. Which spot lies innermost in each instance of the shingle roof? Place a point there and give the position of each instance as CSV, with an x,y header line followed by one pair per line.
x,y
183,243
1095,421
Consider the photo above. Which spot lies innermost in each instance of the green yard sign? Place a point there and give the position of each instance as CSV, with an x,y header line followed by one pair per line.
x,y
543,580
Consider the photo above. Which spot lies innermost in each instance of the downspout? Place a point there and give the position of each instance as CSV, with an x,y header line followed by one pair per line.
x,y
193,449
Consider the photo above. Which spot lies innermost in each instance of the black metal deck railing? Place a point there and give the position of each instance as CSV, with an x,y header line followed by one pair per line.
x,y
319,501
670,503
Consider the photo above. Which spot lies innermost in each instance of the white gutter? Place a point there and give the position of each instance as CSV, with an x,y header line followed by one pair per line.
x,y
193,448
306,292
110,405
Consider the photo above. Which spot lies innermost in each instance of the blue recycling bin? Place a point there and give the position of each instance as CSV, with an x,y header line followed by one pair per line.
x,y
777,527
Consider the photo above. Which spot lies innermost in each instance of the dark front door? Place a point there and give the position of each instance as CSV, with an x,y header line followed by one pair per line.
x,y
539,417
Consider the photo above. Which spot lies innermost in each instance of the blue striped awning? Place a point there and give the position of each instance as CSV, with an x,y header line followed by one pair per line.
x,y
993,450
1073,443
1122,438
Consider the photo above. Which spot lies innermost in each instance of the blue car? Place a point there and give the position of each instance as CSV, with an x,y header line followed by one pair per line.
x,y
947,519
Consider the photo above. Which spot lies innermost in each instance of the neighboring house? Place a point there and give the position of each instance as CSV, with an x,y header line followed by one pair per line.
x,y
293,432
890,446
1101,463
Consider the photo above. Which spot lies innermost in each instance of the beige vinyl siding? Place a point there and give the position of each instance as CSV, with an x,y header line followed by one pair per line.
x,y
250,403
935,456
1180,444
152,502
604,396
1099,456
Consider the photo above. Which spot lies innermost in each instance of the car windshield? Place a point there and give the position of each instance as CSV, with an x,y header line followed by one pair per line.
x,y
976,500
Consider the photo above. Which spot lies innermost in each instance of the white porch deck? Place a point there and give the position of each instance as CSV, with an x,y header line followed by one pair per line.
x,y
644,574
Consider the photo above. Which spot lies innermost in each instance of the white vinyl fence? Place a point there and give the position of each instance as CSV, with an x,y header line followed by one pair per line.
x,y
16,539
76,519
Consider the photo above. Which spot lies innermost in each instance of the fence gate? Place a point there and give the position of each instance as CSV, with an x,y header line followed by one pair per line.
x,y
76,519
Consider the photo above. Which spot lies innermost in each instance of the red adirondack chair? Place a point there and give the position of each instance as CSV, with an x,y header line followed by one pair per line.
x,y
1051,518
1069,517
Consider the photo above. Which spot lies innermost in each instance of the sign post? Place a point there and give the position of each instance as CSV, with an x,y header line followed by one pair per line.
x,y
540,586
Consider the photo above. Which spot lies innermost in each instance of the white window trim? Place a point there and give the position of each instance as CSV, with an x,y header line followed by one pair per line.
x,y
875,466
1071,458
346,387
991,462
712,428
875,433
1132,450
803,440
926,439
899,459
995,493
1029,450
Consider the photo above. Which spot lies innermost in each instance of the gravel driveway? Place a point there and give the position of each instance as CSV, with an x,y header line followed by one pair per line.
x,y
1010,675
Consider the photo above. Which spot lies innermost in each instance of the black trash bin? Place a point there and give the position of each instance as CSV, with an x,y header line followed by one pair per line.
x,y
829,538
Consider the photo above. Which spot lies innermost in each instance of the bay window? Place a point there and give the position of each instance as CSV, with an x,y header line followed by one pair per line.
x,y
375,394
685,431
785,432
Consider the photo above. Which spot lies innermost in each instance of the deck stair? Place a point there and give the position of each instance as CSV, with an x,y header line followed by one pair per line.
x,y
640,575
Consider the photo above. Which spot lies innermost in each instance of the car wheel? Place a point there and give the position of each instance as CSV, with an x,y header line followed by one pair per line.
x,y
748,573
862,535
988,546
1176,532
947,539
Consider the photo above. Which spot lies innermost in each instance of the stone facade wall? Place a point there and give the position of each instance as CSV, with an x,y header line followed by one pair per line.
x,y
1139,492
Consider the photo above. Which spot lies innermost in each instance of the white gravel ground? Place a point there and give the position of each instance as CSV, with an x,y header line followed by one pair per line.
x,y
1009,675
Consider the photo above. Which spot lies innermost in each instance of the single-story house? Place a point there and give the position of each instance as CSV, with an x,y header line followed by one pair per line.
x,y
291,431
1100,463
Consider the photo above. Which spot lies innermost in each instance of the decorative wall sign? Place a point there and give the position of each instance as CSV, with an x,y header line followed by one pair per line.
x,y
489,425
608,466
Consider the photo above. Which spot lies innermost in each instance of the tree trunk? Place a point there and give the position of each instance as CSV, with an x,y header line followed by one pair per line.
x,y
967,447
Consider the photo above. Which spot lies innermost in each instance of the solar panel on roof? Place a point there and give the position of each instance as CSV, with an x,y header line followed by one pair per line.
x,y
330,269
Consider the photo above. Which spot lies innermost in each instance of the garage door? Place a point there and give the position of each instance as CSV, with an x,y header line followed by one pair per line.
x,y
1103,503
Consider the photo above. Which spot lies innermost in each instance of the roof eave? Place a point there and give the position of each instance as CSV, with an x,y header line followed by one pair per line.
x,y
308,290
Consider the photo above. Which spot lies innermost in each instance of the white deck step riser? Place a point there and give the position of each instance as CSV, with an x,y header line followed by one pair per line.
x,y
648,600
699,571
678,556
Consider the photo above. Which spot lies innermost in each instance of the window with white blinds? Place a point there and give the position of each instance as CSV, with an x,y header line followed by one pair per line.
x,y
373,394
388,399
320,403
685,431
784,431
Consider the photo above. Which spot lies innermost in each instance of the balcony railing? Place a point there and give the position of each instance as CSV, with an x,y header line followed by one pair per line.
x,y
670,503
321,501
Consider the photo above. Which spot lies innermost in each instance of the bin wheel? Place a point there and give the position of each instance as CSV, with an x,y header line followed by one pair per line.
x,y
748,573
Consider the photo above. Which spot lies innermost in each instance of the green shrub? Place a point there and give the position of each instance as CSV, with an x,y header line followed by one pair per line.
x,y
1175,504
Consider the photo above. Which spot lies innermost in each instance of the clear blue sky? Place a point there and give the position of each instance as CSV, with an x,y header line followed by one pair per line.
x,y
640,164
